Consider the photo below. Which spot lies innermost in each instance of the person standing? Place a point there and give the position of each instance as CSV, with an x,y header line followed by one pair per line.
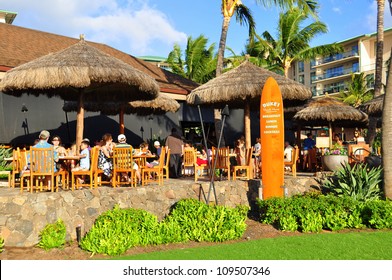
x,y
176,146
308,146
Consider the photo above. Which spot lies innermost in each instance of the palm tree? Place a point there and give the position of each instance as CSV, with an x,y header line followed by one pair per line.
x,y
243,15
387,133
197,63
379,63
292,42
358,92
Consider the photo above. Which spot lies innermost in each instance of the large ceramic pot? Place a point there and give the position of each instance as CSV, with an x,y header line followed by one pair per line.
x,y
373,161
334,162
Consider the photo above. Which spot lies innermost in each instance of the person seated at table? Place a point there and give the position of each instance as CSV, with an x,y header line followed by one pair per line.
x,y
158,149
122,143
43,143
61,151
202,158
104,156
58,147
338,139
84,163
145,151
288,154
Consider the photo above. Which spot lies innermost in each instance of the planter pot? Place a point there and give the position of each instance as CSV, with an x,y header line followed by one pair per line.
x,y
373,161
334,162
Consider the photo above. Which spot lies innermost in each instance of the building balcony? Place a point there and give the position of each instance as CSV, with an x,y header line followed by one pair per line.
x,y
330,77
337,59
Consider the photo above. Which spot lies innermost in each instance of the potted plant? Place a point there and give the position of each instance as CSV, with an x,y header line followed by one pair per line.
x,y
335,158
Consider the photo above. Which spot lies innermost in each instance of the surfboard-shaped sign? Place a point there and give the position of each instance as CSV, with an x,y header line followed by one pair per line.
x,y
272,140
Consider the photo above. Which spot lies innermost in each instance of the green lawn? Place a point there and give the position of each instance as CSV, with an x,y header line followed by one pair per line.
x,y
375,245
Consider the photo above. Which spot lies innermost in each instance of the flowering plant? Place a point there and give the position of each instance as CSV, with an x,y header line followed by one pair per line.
x,y
337,150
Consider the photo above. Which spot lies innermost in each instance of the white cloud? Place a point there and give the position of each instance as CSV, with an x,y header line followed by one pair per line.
x,y
131,26
337,10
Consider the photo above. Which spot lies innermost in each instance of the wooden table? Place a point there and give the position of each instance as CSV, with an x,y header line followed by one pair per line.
x,y
142,159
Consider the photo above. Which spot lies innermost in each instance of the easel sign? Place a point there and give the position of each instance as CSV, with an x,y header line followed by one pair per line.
x,y
272,140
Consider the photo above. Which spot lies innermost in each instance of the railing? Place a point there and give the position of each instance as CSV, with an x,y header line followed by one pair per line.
x,y
336,57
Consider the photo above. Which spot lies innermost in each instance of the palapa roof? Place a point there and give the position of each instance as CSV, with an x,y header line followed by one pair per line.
x,y
80,67
245,83
327,109
22,45
373,107
157,106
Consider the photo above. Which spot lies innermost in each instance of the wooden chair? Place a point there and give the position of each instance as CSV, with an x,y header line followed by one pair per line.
x,y
16,168
98,173
42,169
247,168
188,162
76,184
24,175
293,163
123,167
166,166
222,158
155,173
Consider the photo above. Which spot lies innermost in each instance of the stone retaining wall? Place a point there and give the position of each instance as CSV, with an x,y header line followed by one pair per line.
x,y
24,215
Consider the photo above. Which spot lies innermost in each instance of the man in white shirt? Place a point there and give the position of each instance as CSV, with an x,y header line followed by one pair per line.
x,y
288,152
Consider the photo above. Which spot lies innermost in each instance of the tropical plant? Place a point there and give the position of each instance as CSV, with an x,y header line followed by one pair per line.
x,y
53,236
1,244
358,91
359,182
197,63
4,153
292,42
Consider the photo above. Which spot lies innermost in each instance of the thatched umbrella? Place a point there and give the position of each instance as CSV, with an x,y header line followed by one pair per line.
x,y
157,106
80,72
327,111
373,107
241,88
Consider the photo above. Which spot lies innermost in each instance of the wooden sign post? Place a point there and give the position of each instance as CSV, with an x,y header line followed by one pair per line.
x,y
272,140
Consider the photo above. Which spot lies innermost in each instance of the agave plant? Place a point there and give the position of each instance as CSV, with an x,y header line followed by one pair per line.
x,y
359,182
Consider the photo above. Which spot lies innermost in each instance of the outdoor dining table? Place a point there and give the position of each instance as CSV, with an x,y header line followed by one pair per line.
x,y
142,159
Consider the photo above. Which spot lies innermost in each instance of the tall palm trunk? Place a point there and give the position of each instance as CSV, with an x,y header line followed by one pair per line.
x,y
379,63
219,70
387,136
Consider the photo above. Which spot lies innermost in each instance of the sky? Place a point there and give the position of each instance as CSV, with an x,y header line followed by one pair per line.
x,y
152,27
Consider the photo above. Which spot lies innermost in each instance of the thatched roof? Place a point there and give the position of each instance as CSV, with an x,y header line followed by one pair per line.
x,y
327,109
77,68
157,106
24,45
374,106
244,84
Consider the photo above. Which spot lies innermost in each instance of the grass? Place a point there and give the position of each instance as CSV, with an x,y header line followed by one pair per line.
x,y
375,245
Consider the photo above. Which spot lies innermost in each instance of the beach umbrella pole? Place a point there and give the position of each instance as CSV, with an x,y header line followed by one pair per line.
x,y
225,113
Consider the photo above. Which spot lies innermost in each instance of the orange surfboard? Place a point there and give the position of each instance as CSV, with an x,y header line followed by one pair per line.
x,y
272,140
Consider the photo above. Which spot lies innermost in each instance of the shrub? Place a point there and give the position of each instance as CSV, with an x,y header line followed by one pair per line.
x,y
312,212
53,236
359,182
378,214
201,222
117,230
